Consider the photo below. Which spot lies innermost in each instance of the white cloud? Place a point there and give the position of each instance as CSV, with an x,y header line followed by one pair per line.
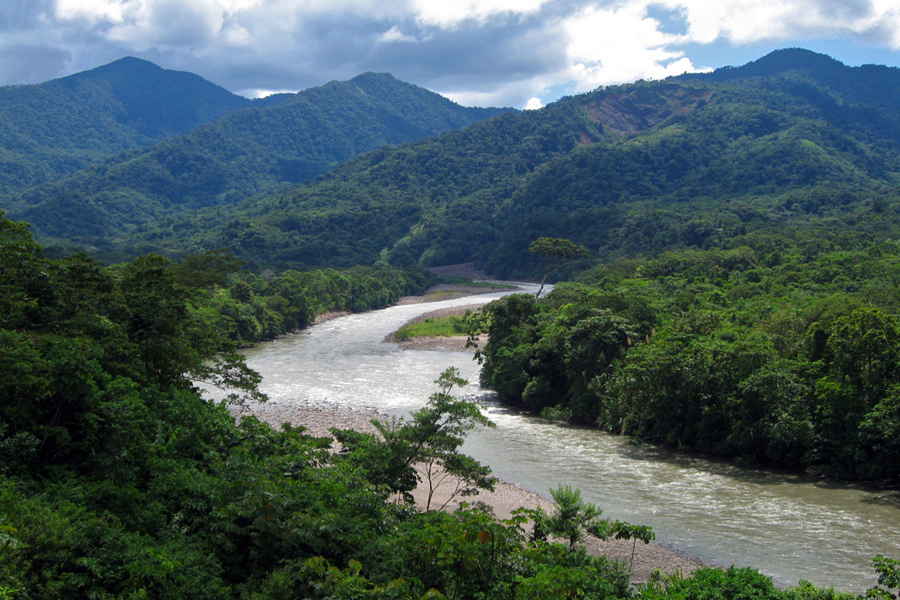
x,y
94,10
749,21
394,34
534,103
450,13
261,93
620,44
515,94
235,35
185,24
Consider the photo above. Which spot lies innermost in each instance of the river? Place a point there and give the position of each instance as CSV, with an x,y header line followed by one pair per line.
x,y
788,526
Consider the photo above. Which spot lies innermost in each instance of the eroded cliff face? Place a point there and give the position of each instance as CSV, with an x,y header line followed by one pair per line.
x,y
638,109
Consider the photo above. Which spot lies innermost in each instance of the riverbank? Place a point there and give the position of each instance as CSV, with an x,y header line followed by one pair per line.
x,y
319,417
436,293
448,344
789,526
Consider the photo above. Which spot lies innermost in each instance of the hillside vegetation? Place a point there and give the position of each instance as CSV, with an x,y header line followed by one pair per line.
x,y
52,129
237,156
741,299
780,352
640,168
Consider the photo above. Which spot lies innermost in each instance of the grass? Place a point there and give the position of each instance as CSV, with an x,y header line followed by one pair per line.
x,y
467,282
441,294
441,327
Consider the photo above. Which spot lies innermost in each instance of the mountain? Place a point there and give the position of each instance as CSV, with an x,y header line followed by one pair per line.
x,y
239,155
868,87
54,128
687,162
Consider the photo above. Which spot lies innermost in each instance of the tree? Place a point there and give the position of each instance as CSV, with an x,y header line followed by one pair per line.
x,y
557,252
888,579
206,270
432,439
573,515
574,518
25,282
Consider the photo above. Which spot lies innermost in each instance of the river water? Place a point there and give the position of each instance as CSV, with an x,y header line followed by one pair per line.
x,y
788,526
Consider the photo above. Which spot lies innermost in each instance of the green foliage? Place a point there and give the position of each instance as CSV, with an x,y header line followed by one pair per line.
x,y
430,439
557,252
52,129
572,515
731,583
686,163
573,518
440,327
888,587
784,359
243,154
117,480
713,584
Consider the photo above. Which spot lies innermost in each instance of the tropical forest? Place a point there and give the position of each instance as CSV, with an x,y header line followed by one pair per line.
x,y
714,271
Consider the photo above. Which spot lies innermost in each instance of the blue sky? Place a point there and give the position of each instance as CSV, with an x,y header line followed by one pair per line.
x,y
521,53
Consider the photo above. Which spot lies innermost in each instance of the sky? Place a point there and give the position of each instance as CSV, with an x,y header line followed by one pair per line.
x,y
519,53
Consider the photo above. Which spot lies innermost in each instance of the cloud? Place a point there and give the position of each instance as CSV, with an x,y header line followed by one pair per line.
x,y
167,24
506,52
18,16
744,21
615,45
394,34
451,13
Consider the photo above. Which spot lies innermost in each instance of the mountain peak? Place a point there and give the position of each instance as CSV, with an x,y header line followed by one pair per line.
x,y
128,67
159,102
791,59
775,63
373,76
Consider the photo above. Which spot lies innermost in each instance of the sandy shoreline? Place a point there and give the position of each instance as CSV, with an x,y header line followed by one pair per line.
x,y
447,344
319,417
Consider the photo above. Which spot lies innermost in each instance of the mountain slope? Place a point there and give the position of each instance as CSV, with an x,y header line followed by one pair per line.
x,y
54,128
241,154
641,168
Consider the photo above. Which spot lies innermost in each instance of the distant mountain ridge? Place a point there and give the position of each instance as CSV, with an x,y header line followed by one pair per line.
x,y
244,153
686,162
873,85
51,129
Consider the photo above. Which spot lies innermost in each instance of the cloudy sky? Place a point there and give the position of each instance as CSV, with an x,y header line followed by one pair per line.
x,y
521,53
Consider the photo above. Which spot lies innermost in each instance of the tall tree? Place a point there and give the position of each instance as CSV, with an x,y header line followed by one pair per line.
x,y
556,252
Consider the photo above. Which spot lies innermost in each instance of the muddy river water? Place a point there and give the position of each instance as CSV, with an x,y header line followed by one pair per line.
x,y
788,526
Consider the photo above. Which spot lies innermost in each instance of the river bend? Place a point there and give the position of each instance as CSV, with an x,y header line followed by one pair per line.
x,y
788,526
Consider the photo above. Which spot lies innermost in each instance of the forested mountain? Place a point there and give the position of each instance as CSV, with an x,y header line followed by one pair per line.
x,y
244,153
687,162
768,331
54,128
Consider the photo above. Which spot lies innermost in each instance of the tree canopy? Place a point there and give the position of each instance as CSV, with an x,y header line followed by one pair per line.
x,y
557,252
